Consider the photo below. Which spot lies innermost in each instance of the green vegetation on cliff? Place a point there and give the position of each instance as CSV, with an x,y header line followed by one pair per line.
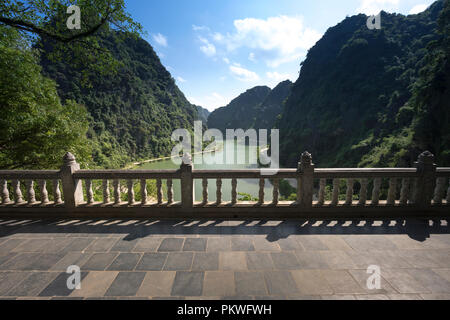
x,y
372,97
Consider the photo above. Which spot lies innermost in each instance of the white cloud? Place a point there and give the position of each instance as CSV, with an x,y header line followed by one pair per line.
x,y
372,7
180,79
243,74
418,9
276,40
160,39
199,28
226,60
208,48
251,57
211,101
279,76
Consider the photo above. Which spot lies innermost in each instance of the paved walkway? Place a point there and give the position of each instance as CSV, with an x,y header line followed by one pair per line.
x,y
148,259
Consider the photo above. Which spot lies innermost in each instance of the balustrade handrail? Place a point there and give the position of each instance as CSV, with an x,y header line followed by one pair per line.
x,y
421,187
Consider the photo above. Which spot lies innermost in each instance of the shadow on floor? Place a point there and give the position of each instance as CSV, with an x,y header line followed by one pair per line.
x,y
417,229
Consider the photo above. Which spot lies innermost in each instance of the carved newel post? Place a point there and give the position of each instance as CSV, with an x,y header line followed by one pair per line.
x,y
187,183
306,186
72,188
425,183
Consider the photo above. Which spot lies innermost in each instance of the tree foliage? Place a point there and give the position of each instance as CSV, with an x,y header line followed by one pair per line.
x,y
36,129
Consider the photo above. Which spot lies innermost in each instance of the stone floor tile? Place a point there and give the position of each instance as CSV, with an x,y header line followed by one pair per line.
x,y
70,259
33,245
219,283
125,284
171,244
178,261
195,244
250,283
95,284
232,261
6,256
101,245
311,243
124,245
58,287
342,282
401,296
20,261
371,297
99,261
335,242
242,244
33,284
8,280
311,260
262,244
444,273
285,260
152,261
403,282
339,297
157,284
205,261
218,244
259,261
280,283
78,244
125,262
289,244
10,244
45,261
435,296
311,282
148,244
369,242
430,280
188,283
337,259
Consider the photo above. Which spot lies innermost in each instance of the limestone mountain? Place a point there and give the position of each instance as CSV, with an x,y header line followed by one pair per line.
x,y
134,111
256,108
353,102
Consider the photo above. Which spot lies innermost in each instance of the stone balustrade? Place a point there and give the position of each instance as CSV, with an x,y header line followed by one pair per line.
x,y
421,190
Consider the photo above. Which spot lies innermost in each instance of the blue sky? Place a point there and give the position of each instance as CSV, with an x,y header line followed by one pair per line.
x,y
217,49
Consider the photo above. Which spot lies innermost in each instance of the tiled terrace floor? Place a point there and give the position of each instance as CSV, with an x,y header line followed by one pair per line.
x,y
152,259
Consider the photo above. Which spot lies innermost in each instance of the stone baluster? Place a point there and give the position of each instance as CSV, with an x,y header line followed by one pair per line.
x,y
5,192
187,183
116,187
205,191
349,194
130,186
31,196
261,191
106,195
306,170
376,191
439,191
276,188
89,192
143,192
363,192
18,198
44,192
425,183
322,184
72,188
404,192
159,193
392,191
335,196
219,191
448,194
56,192
233,191
169,191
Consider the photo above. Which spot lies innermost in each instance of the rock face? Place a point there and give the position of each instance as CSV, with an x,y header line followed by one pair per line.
x,y
256,108
351,105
